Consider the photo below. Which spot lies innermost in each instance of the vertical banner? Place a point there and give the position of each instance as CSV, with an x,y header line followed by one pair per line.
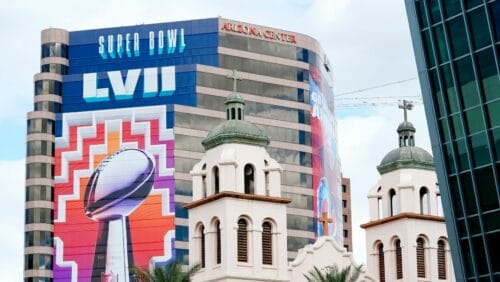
x,y
326,167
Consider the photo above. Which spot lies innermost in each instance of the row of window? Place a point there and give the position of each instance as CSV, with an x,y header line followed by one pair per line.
x,y
40,125
39,215
54,49
242,242
48,86
478,250
273,132
39,170
421,266
39,193
48,106
258,109
253,87
263,68
424,203
40,147
38,261
38,239
54,68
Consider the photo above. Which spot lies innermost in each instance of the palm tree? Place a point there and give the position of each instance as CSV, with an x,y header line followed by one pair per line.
x,y
169,273
333,274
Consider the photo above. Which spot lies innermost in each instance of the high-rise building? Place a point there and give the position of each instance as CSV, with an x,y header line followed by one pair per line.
x,y
457,49
119,115
347,213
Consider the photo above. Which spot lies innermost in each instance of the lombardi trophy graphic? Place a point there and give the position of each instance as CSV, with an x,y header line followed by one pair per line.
x,y
120,184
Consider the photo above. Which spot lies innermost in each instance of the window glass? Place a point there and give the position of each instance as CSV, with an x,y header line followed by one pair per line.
x,y
479,28
37,170
449,160
429,53
481,264
182,256
189,143
474,226
433,6
183,187
286,135
462,155
48,106
458,37
295,243
493,247
54,49
493,110
455,197
490,80
181,233
263,68
451,7
472,3
495,18
299,201
456,122
486,189
257,46
253,87
299,222
474,120
184,165
441,43
422,18
38,215
48,86
467,257
39,147
290,156
451,94
54,68
437,95
180,211
39,193
443,130
468,193
38,125
480,152
38,238
496,143
467,82
292,178
462,231
491,221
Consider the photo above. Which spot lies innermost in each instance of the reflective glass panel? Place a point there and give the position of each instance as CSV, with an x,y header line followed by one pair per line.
x,y
458,37
488,198
490,80
467,82
479,28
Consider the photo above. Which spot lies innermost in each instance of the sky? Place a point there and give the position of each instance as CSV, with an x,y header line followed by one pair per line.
x,y
368,44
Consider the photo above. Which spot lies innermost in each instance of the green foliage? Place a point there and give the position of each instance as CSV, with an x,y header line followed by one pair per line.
x,y
333,274
170,273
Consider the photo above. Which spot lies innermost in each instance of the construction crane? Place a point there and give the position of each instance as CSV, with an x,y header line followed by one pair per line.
x,y
383,101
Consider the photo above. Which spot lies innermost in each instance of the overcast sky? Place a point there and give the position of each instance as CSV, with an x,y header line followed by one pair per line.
x,y
368,43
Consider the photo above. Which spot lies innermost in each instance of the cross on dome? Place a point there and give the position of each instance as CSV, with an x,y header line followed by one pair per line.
x,y
234,76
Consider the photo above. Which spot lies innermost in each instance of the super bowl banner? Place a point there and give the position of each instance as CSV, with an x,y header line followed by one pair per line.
x,y
326,167
114,160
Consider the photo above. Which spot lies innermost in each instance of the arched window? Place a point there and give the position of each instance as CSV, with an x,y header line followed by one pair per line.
x,y
249,179
393,198
441,260
424,201
239,114
420,258
242,240
227,111
380,208
218,242
216,179
233,113
399,259
202,246
381,263
267,243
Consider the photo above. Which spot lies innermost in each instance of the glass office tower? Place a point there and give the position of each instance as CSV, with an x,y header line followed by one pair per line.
x,y
103,96
457,48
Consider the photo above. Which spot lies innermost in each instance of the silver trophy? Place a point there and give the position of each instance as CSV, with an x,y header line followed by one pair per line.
x,y
120,184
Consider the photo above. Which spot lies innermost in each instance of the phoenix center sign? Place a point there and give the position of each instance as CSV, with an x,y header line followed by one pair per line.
x,y
259,32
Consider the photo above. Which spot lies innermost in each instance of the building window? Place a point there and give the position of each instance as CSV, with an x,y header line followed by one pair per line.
x,y
439,205
399,260
216,179
420,258
344,188
381,263
249,179
267,244
346,233
345,217
441,260
424,201
242,241
218,242
393,202
344,203
202,246
346,247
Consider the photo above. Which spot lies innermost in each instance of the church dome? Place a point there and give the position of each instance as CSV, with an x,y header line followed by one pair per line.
x,y
407,155
235,131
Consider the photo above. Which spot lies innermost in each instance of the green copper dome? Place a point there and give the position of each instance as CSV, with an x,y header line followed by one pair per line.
x,y
235,129
407,155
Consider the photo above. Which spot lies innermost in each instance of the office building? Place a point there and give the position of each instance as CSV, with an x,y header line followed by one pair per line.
x,y
457,49
119,115
347,213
